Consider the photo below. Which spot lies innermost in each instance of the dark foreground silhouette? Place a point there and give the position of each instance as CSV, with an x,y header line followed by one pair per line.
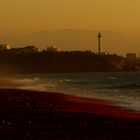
x,y
64,62
53,116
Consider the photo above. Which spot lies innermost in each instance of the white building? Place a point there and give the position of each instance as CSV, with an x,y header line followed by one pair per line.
x,y
52,49
29,49
4,47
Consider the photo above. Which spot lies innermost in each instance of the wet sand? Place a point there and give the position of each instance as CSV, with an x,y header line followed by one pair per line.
x,y
43,115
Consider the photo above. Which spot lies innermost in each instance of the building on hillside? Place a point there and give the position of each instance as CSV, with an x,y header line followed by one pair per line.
x,y
27,49
4,47
131,56
52,49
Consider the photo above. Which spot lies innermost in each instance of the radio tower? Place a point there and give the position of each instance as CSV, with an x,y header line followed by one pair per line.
x,y
99,43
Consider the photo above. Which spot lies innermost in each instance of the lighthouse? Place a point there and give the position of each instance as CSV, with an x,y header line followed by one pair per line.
x,y
99,43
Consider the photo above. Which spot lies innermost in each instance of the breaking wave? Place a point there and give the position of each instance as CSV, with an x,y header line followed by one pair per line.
x,y
122,88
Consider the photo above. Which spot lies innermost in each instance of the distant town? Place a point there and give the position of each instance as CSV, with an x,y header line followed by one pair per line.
x,y
29,59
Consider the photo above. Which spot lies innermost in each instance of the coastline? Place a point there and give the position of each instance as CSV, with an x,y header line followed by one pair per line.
x,y
70,103
56,115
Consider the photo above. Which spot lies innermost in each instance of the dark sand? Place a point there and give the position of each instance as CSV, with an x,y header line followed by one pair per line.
x,y
53,116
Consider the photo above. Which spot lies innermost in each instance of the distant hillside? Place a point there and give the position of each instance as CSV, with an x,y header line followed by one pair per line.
x,y
113,42
64,62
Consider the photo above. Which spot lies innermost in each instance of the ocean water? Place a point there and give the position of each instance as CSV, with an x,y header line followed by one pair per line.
x,y
123,88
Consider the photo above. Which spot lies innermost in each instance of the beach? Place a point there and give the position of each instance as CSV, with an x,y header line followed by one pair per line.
x,y
26,114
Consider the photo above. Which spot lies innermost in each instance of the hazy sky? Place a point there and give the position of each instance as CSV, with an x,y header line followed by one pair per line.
x,y
27,16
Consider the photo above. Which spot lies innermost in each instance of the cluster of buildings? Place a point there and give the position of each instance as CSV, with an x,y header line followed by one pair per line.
x,y
26,49
33,49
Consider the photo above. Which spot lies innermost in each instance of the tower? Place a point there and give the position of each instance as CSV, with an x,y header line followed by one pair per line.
x,y
99,43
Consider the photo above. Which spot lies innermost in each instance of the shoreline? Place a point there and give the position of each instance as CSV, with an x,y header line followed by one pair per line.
x,y
26,114
71,103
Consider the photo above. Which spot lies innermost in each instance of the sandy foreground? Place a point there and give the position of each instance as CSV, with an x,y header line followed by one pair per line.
x,y
53,116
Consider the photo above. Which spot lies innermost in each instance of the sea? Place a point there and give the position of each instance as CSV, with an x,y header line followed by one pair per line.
x,y
122,88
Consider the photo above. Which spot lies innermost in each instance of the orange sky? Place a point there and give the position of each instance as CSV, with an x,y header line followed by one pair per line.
x,y
27,16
